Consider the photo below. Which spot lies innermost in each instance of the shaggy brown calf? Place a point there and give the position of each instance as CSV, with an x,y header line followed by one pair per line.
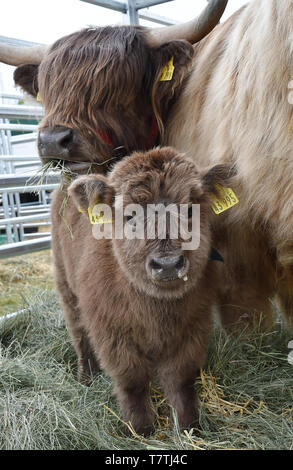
x,y
137,307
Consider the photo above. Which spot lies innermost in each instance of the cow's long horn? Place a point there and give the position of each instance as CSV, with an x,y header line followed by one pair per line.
x,y
20,55
192,31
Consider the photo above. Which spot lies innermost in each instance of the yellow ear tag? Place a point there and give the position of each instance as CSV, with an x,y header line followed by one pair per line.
x,y
39,99
97,219
168,71
223,200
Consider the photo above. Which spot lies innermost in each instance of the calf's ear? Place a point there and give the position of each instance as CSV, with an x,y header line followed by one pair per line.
x,y
26,76
217,174
86,191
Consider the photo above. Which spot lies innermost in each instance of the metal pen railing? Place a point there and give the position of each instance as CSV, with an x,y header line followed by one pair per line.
x,y
24,204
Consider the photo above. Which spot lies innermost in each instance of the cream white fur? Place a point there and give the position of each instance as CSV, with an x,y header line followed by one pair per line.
x,y
235,107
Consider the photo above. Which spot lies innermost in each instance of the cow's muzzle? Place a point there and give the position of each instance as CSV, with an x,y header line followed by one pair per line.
x,y
55,142
167,268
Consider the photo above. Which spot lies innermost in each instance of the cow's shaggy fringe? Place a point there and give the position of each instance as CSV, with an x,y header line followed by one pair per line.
x,y
246,393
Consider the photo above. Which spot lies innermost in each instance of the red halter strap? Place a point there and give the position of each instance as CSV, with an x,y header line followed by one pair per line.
x,y
106,138
151,140
153,135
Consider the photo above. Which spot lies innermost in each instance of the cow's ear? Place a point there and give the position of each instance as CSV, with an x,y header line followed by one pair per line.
x,y
86,191
181,51
26,76
171,63
217,174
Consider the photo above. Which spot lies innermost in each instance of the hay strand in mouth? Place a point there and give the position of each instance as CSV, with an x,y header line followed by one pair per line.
x,y
51,167
66,171
38,179
67,175
64,166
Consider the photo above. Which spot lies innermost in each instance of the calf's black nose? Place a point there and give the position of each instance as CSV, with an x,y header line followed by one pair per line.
x,y
55,141
166,268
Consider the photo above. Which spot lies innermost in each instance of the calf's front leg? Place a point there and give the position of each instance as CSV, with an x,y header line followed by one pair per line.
x,y
179,388
132,389
88,364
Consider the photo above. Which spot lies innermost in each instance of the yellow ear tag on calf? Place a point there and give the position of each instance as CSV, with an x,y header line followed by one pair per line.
x,y
168,71
97,219
223,200
39,99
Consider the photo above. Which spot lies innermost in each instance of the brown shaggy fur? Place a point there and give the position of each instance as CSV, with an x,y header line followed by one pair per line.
x,y
119,318
107,79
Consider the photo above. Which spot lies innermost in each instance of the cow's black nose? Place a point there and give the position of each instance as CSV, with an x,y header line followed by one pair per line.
x,y
55,141
166,268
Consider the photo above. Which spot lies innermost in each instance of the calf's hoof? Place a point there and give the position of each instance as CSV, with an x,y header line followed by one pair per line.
x,y
86,375
142,430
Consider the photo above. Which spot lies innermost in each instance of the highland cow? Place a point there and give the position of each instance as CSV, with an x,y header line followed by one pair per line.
x,y
102,87
139,308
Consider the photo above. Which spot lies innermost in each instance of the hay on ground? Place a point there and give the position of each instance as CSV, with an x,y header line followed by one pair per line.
x,y
246,392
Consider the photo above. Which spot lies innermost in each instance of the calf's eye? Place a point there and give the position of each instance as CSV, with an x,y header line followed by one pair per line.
x,y
130,220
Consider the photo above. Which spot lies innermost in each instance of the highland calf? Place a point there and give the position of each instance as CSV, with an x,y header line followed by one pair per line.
x,y
139,307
